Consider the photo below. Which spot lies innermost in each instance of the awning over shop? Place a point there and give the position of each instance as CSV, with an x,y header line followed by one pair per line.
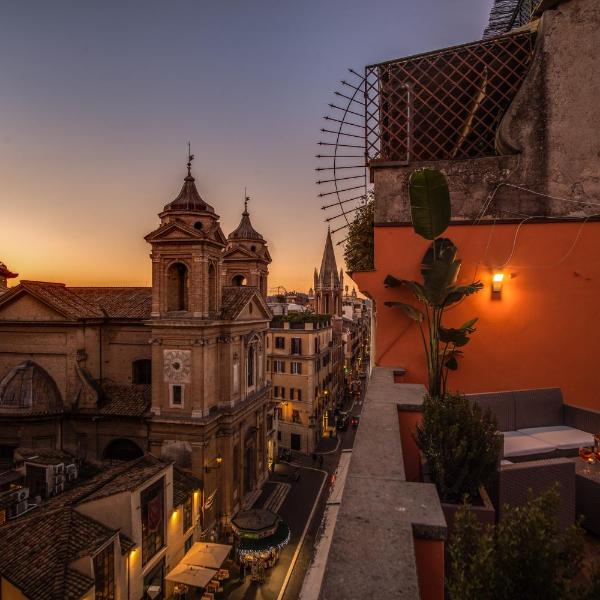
x,y
208,555
191,575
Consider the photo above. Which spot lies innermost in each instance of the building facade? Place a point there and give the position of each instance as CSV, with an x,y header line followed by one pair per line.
x,y
178,369
300,364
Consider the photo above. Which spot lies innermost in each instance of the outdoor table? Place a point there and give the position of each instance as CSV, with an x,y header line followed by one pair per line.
x,y
212,586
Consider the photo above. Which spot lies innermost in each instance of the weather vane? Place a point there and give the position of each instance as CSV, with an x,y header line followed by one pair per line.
x,y
190,159
246,199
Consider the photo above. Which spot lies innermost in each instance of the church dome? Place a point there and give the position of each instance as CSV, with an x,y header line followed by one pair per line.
x,y
189,199
29,387
244,230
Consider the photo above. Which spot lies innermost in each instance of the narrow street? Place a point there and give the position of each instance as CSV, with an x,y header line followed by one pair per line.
x,y
296,509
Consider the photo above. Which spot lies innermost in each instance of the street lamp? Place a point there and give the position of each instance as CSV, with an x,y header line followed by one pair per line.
x,y
218,460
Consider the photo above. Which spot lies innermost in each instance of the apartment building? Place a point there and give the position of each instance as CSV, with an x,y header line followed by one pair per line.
x,y
304,381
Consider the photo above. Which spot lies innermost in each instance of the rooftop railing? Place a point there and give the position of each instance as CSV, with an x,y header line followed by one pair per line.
x,y
446,104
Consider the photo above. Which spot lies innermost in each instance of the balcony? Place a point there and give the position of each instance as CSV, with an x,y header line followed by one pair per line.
x,y
443,105
389,531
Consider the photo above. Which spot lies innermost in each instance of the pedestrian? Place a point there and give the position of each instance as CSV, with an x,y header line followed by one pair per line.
x,y
320,461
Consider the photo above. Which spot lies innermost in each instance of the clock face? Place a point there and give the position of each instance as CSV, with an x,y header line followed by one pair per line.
x,y
177,365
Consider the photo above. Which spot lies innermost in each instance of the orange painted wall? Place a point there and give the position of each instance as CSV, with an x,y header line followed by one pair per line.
x,y
543,332
429,555
408,421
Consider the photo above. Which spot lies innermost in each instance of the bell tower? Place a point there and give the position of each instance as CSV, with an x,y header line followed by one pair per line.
x,y
186,256
246,259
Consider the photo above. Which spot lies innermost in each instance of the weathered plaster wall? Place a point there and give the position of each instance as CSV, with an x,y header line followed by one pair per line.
x,y
548,138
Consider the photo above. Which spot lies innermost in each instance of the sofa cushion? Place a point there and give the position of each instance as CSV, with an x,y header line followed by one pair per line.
x,y
561,436
502,405
538,408
517,443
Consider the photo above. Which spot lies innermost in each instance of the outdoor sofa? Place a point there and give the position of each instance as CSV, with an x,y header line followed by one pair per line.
x,y
536,424
539,432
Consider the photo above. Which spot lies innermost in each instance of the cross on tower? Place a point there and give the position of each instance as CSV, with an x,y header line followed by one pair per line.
x,y
190,159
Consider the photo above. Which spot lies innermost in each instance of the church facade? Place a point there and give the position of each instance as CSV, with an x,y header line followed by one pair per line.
x,y
177,369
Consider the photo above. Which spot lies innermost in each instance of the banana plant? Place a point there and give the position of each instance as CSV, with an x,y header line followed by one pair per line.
x,y
430,211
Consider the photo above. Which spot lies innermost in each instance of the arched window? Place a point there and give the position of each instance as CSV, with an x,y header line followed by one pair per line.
x,y
251,367
141,371
177,287
122,449
238,280
212,288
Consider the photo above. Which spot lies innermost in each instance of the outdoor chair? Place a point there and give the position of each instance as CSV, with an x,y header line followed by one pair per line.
x,y
516,481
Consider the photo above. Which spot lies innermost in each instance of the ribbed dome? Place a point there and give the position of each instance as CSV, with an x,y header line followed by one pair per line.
x,y
29,387
244,230
189,199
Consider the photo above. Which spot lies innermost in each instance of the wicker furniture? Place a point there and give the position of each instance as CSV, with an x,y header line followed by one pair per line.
x,y
536,424
516,480
587,486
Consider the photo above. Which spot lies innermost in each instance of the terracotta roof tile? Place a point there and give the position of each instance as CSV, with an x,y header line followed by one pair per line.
x,y
59,296
35,552
234,299
125,400
118,302
183,486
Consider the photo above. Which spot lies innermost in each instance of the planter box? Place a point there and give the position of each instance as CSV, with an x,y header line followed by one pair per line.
x,y
485,513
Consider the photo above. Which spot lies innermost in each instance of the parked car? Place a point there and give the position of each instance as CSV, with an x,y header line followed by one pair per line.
x,y
341,423
355,420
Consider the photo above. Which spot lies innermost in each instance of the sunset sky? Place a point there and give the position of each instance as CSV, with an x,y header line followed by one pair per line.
x,y
99,99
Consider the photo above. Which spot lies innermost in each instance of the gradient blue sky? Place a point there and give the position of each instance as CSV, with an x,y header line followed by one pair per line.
x,y
98,100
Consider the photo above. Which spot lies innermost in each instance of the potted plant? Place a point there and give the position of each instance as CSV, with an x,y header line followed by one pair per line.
x,y
460,452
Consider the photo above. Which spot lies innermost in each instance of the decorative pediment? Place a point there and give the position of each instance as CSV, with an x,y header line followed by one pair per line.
x,y
176,231
239,253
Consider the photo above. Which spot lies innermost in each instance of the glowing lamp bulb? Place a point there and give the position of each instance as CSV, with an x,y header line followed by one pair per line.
x,y
497,279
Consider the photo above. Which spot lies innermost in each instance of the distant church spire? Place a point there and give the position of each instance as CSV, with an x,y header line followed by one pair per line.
x,y
328,282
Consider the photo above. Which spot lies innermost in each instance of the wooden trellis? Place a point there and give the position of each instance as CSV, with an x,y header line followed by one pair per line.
x,y
443,105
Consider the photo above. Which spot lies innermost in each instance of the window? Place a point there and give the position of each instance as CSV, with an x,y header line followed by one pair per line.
x,y
141,371
299,395
198,225
279,366
269,422
283,393
238,280
104,573
251,358
177,287
279,436
176,396
153,520
280,343
155,579
291,393
189,542
187,513
295,416
275,391
296,368
296,346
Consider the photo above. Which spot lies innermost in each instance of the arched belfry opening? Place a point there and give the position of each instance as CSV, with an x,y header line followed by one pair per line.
x,y
177,287
212,288
239,280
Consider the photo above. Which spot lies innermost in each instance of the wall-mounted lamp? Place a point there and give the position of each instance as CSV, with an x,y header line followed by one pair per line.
x,y
218,460
497,280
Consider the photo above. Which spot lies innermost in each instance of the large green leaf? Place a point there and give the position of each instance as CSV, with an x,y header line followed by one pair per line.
x,y
415,287
429,202
414,313
458,337
457,293
441,276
